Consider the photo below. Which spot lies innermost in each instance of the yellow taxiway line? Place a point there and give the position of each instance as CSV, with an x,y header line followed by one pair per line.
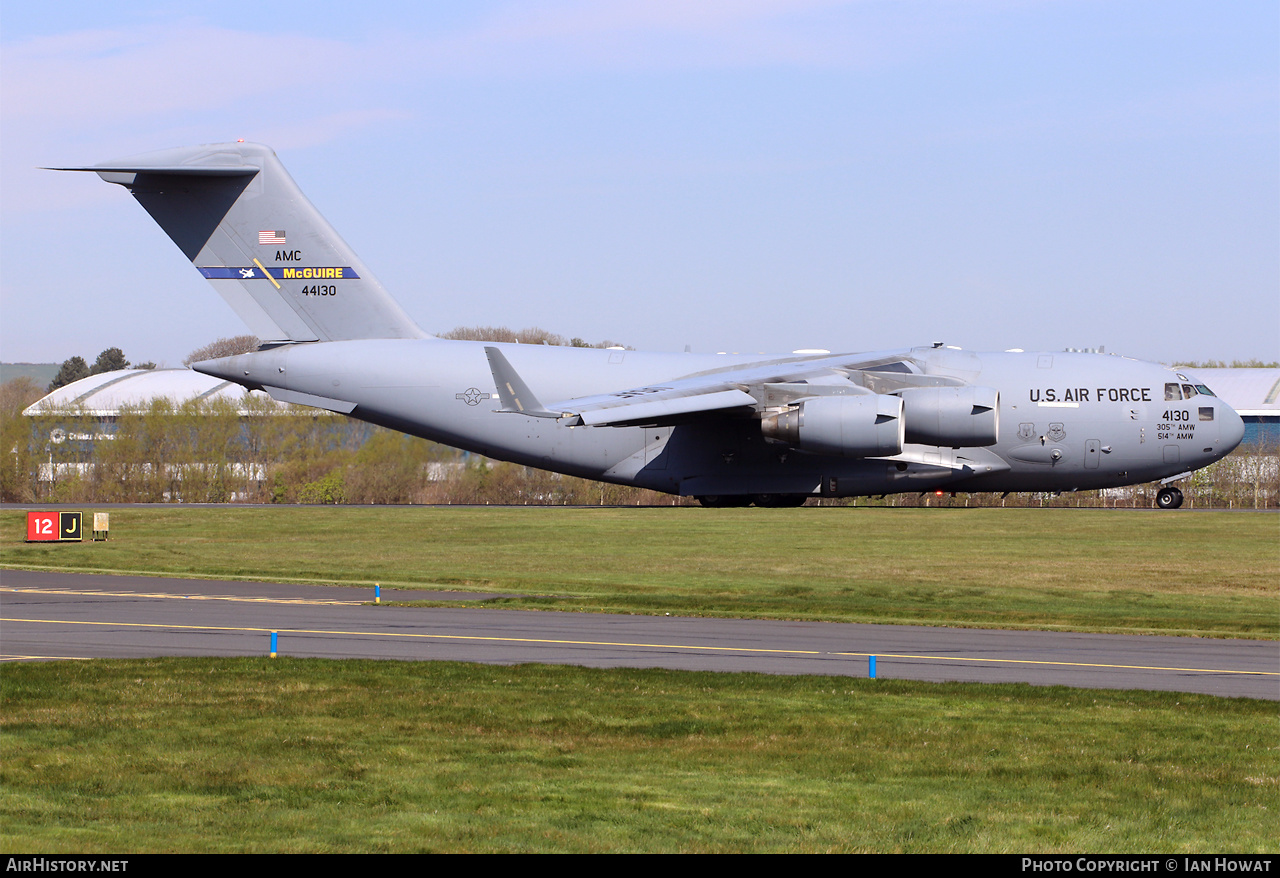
x,y
961,658
182,597
474,637
631,645
32,658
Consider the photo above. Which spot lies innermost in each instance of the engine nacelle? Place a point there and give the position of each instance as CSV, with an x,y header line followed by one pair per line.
x,y
961,417
870,425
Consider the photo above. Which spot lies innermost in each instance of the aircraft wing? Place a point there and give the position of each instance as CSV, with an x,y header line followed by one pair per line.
x,y
735,389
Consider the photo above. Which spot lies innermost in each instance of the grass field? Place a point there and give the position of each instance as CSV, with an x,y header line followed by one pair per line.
x,y
303,755
1133,571
307,755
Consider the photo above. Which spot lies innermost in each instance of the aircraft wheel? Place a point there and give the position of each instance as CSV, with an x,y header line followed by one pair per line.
x,y
779,501
724,501
1169,498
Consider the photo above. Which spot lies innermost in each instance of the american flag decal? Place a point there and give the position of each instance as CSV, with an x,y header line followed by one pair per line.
x,y
271,237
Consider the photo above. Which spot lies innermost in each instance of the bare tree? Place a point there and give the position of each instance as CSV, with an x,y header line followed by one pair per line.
x,y
16,482
223,347
1253,363
531,335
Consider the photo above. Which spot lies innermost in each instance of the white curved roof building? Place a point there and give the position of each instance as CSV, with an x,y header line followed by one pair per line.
x,y
105,394
1248,391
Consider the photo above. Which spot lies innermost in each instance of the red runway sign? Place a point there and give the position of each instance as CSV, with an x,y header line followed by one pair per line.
x,y
57,527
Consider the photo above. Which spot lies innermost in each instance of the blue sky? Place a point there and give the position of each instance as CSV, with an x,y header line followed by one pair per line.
x,y
754,175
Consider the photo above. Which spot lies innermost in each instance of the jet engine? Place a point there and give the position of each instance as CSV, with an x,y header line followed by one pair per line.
x,y
870,425
960,417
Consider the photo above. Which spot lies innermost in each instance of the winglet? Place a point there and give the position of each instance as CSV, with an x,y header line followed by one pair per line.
x,y
516,396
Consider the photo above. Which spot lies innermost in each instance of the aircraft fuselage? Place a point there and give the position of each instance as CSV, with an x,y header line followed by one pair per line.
x,y
1067,421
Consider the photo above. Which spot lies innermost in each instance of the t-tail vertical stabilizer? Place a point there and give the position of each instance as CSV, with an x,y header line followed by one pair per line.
x,y
235,212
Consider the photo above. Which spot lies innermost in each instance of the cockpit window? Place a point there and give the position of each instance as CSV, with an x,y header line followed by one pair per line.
x,y
1206,413
1174,392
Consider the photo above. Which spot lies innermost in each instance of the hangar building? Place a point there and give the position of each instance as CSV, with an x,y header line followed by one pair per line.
x,y
105,394
73,418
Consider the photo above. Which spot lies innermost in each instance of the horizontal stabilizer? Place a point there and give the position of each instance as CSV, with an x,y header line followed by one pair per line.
x,y
279,394
167,170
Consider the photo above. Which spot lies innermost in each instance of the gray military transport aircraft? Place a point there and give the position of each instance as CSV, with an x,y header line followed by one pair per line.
x,y
729,430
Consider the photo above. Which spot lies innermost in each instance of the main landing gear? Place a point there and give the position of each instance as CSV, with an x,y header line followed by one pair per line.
x,y
1169,498
768,501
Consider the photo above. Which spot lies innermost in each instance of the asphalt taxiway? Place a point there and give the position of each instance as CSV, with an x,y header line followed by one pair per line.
x,y
67,616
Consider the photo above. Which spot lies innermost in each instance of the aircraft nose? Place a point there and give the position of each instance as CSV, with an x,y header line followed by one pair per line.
x,y
1232,427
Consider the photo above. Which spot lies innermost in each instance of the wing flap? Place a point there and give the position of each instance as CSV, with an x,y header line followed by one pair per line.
x,y
659,408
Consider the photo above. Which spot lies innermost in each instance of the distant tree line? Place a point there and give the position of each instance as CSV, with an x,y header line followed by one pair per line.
x,y
223,347
254,451
1234,364
532,335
